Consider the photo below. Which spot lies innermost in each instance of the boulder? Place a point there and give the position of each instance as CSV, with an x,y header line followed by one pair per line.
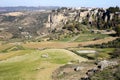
x,y
103,64
78,68
45,56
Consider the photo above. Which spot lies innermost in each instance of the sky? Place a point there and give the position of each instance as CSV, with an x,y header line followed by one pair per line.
x,y
61,3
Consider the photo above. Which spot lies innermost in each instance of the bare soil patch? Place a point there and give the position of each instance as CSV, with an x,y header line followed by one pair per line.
x,y
67,72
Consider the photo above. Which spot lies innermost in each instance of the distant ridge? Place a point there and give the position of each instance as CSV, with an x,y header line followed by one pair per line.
x,y
25,8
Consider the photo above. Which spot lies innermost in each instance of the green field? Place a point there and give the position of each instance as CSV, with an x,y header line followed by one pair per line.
x,y
83,37
30,65
89,37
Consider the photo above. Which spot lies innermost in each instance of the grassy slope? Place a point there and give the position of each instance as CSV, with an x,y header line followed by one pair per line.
x,y
31,66
83,37
89,37
5,46
102,53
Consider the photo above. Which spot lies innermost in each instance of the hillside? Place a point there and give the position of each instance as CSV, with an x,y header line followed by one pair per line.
x,y
58,23
21,24
25,8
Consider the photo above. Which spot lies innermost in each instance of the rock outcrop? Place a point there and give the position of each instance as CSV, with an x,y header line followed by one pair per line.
x,y
62,16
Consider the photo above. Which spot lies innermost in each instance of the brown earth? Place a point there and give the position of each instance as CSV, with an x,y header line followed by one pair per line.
x,y
14,14
41,45
67,72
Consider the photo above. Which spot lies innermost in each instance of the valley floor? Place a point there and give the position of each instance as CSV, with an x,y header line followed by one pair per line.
x,y
38,60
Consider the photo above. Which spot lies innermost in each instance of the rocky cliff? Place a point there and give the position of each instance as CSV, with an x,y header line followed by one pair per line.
x,y
88,16
27,24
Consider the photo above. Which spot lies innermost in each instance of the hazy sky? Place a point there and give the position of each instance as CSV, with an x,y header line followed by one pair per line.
x,y
70,3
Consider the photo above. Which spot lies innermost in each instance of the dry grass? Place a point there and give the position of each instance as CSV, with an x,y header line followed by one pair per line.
x,y
5,46
14,14
4,56
66,44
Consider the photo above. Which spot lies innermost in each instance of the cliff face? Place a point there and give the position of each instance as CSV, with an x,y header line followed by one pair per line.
x,y
61,16
55,20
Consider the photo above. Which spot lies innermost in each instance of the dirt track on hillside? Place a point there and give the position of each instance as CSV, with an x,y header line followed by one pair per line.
x,y
41,45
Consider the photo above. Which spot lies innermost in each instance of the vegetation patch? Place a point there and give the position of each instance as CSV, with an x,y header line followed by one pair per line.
x,y
90,37
109,73
100,53
111,44
13,48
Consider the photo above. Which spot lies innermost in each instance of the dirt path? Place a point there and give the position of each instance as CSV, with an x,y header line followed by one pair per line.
x,y
100,41
74,38
42,45
46,72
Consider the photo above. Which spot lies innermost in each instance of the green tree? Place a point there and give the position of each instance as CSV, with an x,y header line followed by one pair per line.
x,y
117,29
113,9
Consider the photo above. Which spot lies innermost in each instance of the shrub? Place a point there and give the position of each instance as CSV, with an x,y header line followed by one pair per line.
x,y
117,29
116,53
111,44
108,74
